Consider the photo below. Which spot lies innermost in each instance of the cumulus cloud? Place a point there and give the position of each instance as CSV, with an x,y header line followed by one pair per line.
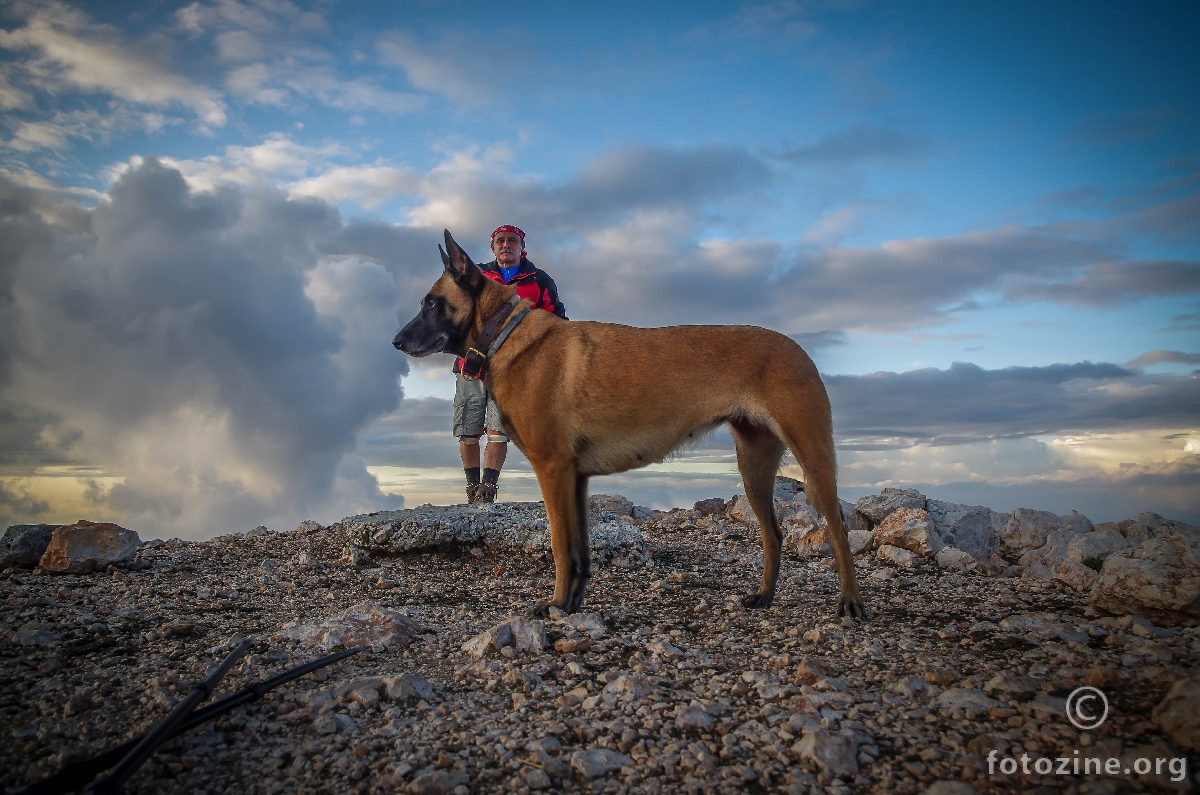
x,y
200,346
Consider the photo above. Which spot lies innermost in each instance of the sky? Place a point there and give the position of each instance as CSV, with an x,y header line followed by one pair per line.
x,y
982,220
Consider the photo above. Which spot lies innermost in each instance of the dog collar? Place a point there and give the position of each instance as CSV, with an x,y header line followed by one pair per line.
x,y
491,337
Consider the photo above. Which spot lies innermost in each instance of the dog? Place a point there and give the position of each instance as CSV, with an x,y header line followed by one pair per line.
x,y
582,398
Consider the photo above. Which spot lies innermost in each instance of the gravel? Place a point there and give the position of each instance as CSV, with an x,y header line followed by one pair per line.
x,y
664,683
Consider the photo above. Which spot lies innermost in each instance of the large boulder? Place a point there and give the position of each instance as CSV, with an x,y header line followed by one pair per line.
x,y
22,545
86,546
1159,579
1060,533
877,507
971,528
1026,529
911,529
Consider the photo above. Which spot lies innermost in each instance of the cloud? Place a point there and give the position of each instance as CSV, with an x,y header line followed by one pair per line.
x,y
622,186
966,403
450,65
289,80
267,19
1107,284
201,346
1163,357
369,186
638,224
1117,127
1172,221
917,282
302,170
630,237
65,51
11,97
861,143
781,23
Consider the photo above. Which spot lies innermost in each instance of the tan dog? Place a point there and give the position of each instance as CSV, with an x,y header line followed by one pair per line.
x,y
582,398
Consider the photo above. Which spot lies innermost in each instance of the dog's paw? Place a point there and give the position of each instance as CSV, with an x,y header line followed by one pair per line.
x,y
547,610
757,601
852,608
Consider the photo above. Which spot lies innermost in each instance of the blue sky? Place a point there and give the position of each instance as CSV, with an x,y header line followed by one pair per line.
x,y
979,218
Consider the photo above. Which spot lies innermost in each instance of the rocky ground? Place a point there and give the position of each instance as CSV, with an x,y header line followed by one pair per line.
x,y
958,683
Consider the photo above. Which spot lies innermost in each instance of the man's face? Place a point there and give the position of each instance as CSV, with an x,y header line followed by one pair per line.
x,y
507,247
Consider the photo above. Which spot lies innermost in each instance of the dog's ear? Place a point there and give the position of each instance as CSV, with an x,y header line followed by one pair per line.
x,y
460,266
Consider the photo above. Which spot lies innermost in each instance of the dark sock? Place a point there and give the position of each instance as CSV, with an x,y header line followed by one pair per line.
x,y
491,475
472,475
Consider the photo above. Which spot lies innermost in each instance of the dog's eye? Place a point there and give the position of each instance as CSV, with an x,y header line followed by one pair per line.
x,y
431,302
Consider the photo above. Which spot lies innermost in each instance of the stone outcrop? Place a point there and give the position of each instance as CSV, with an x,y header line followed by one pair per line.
x,y
1158,578
521,527
86,546
22,545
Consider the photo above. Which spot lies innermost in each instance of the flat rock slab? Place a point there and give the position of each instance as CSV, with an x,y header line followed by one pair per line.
x,y
520,526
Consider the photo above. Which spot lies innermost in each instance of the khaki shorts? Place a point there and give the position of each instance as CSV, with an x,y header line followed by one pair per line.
x,y
474,408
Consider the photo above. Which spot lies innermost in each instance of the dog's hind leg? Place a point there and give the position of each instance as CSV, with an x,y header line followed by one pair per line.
x,y
816,455
758,454
565,493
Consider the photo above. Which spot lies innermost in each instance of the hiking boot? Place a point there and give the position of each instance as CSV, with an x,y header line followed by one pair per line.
x,y
486,492
472,493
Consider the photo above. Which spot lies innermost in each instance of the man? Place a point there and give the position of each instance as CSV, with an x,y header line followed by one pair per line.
x,y
474,409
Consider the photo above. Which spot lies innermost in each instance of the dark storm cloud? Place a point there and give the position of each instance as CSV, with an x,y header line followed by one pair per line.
x,y
199,344
966,403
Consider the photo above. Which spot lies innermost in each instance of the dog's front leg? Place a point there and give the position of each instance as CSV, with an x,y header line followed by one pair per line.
x,y
565,493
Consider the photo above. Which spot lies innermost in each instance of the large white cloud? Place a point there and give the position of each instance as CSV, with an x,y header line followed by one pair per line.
x,y
201,346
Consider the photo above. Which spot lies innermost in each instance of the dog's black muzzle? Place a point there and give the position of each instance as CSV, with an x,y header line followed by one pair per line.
x,y
417,339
